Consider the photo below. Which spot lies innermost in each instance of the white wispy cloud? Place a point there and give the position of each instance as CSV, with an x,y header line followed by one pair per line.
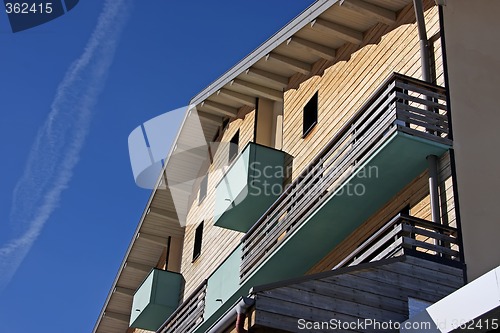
x,y
56,149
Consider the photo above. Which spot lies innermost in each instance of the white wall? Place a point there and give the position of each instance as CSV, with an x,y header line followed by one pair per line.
x,y
472,31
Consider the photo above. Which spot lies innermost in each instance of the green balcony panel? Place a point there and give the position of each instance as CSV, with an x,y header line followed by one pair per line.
x,y
249,187
394,165
223,283
156,299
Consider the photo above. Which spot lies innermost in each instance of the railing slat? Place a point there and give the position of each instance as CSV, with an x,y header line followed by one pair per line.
x,y
424,135
410,242
421,90
431,234
403,232
412,119
189,314
390,235
428,224
419,100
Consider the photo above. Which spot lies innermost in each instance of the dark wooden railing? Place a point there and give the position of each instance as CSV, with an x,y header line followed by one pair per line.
x,y
410,235
189,314
401,104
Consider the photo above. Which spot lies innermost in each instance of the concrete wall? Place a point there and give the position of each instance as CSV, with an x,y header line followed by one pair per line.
x,y
473,52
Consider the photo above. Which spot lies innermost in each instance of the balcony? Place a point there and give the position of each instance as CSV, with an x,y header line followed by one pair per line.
x,y
403,267
408,235
157,297
189,314
389,290
372,157
247,189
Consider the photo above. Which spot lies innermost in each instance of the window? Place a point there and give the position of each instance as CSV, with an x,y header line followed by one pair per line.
x,y
203,189
225,122
310,115
198,236
233,146
268,128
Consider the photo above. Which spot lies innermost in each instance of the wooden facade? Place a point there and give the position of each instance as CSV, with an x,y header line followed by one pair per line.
x,y
343,82
343,88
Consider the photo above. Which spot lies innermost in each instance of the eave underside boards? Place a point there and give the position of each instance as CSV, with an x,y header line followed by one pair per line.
x,y
268,71
145,252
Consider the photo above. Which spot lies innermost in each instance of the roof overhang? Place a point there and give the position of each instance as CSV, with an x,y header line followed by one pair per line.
x,y
157,223
316,37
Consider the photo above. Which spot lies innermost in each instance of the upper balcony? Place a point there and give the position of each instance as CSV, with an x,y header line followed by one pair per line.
x,y
372,157
248,187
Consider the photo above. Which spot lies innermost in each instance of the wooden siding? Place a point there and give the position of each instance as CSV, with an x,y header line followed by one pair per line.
x,y
377,291
344,86
217,242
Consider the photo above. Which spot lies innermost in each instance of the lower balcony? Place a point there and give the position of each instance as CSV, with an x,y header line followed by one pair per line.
x,y
404,235
378,152
156,298
370,297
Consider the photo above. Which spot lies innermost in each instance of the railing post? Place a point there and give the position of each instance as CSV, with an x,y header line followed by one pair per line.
x,y
434,192
433,188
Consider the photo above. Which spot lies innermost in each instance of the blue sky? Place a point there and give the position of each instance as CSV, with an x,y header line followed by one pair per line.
x,y
69,98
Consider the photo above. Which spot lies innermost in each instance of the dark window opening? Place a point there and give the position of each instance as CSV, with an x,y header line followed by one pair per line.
x,y
203,189
310,115
198,236
233,146
225,122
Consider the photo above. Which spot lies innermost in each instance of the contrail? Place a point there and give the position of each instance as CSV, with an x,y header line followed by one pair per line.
x,y
56,149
